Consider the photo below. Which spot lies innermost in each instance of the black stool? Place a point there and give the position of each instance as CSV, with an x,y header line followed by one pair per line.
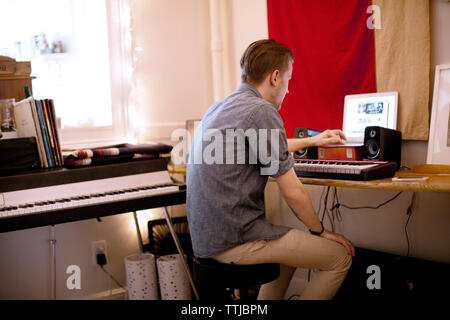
x,y
221,282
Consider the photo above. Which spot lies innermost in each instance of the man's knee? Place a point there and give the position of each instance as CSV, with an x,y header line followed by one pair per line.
x,y
341,259
344,260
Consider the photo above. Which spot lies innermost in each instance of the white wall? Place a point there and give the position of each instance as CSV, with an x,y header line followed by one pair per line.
x,y
25,257
248,23
173,70
25,271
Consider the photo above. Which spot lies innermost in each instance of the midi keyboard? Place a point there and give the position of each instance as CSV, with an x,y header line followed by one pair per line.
x,y
344,169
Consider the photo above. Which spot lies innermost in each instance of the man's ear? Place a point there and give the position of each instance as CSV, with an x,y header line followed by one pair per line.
x,y
274,77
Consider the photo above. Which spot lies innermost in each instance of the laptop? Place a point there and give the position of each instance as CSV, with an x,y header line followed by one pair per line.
x,y
371,109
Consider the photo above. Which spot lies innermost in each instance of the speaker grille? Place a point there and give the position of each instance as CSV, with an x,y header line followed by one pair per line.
x,y
301,153
372,149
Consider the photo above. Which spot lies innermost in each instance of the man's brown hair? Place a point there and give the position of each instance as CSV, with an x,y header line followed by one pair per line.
x,y
261,58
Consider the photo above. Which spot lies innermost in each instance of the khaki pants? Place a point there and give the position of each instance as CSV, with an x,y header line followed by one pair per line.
x,y
295,249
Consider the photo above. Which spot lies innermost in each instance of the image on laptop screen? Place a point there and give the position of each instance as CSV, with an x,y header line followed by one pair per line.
x,y
372,109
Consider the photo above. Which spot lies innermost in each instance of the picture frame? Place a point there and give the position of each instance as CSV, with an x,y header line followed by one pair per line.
x,y
439,138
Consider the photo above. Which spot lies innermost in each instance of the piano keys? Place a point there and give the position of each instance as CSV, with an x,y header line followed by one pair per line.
x,y
51,196
342,169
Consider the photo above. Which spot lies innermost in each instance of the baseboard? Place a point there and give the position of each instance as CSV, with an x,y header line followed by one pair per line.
x,y
115,294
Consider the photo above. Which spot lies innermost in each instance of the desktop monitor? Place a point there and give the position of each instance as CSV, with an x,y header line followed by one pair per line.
x,y
372,109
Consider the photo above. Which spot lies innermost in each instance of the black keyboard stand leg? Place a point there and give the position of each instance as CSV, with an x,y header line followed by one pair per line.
x,y
138,231
180,251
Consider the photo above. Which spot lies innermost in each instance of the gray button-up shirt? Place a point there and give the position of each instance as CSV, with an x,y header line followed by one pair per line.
x,y
227,175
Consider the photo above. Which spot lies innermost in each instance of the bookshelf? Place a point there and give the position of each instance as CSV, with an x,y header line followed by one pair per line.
x,y
33,118
13,86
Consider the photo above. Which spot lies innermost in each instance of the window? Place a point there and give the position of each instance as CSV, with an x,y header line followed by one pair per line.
x,y
78,52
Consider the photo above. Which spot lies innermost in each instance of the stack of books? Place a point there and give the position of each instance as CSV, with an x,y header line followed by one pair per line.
x,y
36,118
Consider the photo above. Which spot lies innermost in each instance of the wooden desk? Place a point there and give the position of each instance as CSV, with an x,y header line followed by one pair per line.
x,y
438,180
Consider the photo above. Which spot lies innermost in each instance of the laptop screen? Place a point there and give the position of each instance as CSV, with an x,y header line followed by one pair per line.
x,y
372,109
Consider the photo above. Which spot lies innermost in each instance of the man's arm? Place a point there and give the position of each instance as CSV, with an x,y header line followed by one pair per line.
x,y
298,199
295,144
324,138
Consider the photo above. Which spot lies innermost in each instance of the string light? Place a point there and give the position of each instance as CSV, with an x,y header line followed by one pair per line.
x,y
129,63
133,52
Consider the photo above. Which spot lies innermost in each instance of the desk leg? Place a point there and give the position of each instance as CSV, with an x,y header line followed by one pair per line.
x,y
180,251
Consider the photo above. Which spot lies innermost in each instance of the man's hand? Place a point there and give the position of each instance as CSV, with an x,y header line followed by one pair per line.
x,y
324,138
339,239
327,137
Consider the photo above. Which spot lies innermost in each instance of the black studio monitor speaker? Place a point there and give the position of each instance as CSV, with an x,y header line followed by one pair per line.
x,y
382,144
307,153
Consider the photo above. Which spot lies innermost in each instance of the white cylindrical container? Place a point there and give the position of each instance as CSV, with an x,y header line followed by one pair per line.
x,y
141,277
173,281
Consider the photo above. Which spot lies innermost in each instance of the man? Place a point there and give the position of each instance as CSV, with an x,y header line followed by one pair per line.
x,y
225,205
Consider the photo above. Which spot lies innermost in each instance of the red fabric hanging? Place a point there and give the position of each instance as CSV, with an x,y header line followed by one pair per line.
x,y
334,55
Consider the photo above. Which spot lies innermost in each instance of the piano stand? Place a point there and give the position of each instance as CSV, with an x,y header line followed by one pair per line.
x,y
48,197
138,231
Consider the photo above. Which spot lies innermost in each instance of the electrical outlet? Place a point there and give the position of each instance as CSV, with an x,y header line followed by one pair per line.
x,y
98,247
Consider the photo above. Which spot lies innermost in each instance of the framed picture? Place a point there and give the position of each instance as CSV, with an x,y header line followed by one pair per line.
x,y
439,140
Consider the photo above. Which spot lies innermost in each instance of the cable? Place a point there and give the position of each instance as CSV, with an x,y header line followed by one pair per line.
x,y
320,200
330,216
337,205
409,213
335,212
117,282
325,201
330,213
101,261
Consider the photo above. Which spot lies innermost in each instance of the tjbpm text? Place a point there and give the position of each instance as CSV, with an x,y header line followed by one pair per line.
x,y
230,309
